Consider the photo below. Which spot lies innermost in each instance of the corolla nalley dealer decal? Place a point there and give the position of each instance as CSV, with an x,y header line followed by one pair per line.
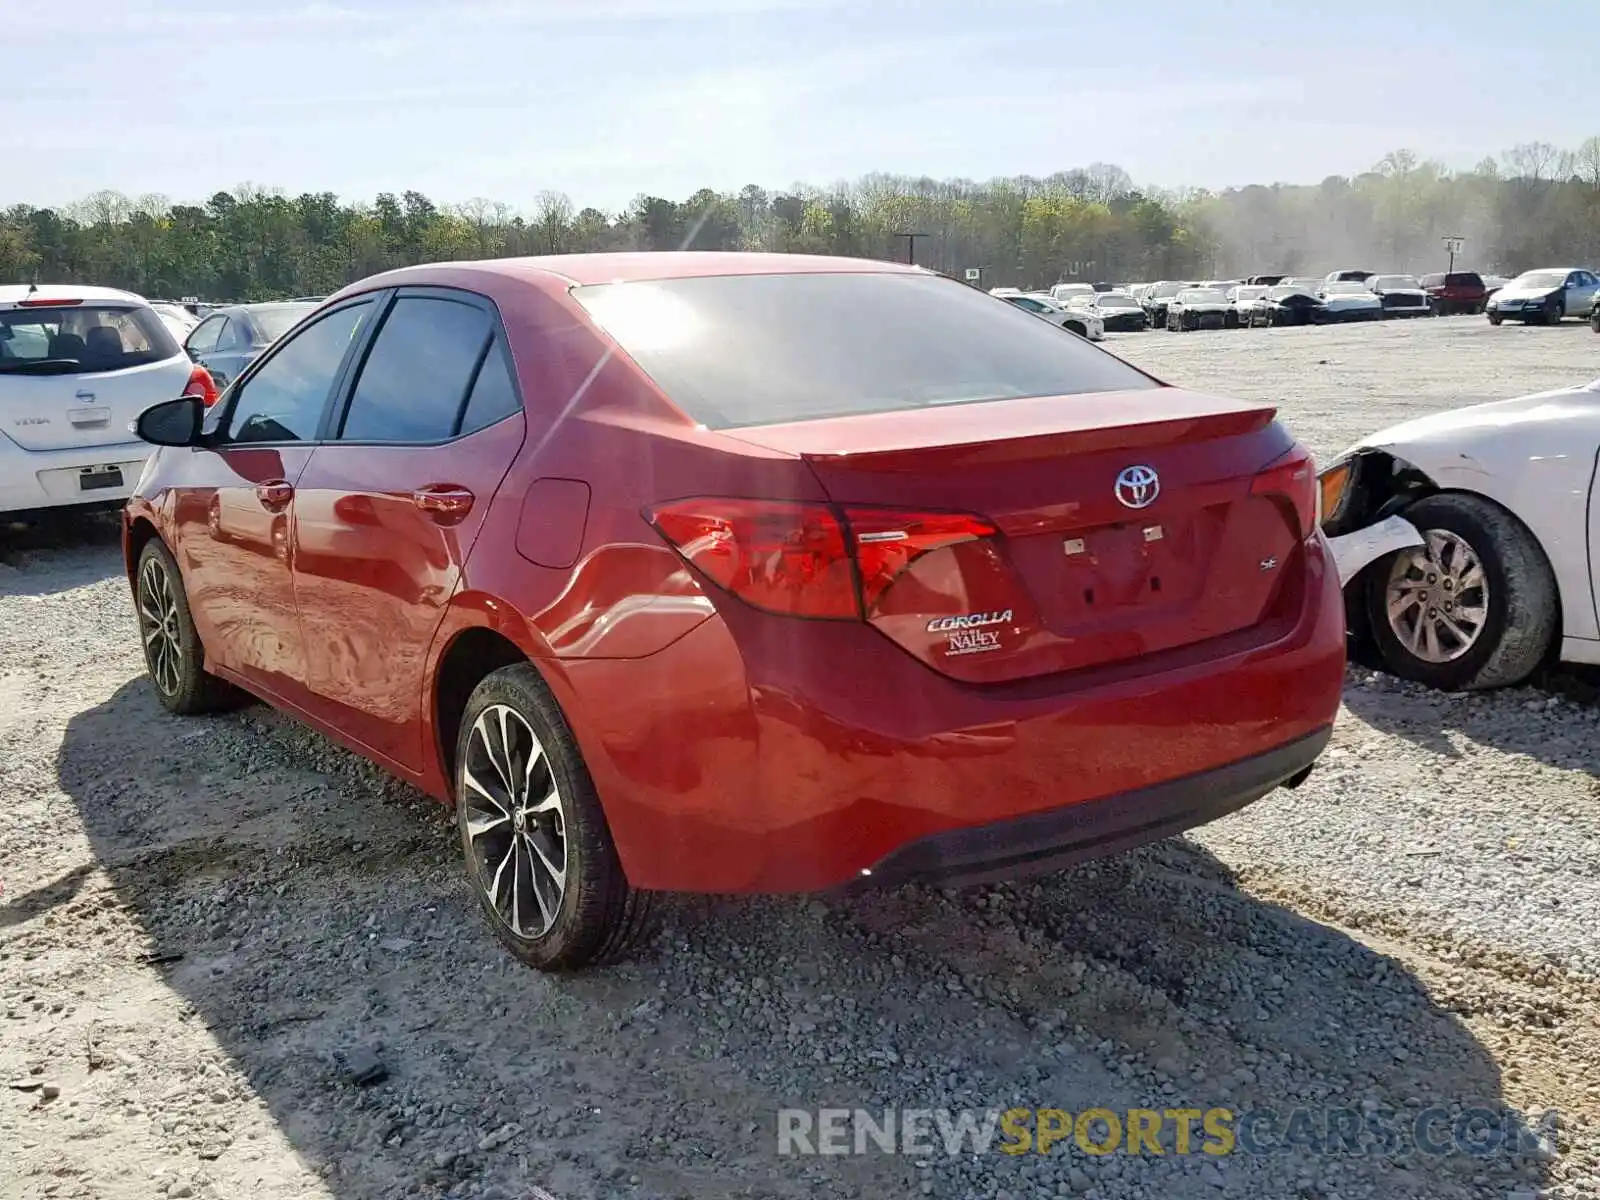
x,y
967,634
969,621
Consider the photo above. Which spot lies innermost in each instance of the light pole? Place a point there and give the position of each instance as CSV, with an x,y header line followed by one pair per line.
x,y
911,245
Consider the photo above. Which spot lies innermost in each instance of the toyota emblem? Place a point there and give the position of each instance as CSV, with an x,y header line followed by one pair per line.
x,y
1138,487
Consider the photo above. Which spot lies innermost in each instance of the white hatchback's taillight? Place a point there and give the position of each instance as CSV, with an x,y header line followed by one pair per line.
x,y
201,384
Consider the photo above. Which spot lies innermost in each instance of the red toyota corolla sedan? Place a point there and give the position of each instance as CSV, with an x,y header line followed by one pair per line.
x,y
727,572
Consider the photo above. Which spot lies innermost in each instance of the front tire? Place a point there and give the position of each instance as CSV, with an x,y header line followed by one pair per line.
x,y
1495,318
1475,608
173,653
539,854
1557,310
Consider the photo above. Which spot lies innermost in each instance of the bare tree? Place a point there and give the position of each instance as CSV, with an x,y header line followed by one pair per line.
x,y
1534,161
552,216
153,204
481,214
1587,162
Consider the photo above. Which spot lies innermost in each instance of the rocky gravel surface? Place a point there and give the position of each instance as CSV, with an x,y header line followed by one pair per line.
x,y
237,962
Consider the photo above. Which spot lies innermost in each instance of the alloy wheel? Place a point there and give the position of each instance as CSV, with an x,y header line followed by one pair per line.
x,y
515,821
158,622
1437,598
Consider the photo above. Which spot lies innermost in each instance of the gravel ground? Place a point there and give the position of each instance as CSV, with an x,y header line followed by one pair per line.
x,y
208,928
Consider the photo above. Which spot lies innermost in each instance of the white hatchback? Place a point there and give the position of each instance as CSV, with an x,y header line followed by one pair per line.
x,y
77,364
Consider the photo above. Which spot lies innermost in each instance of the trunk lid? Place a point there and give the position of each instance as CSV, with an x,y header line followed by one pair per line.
x,y
82,409
1124,524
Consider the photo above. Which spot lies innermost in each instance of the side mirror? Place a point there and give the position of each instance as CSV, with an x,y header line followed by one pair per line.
x,y
172,422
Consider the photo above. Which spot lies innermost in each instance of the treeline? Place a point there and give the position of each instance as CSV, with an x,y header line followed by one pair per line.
x,y
1534,205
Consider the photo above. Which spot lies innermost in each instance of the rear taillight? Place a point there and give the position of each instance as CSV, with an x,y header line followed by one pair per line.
x,y
201,384
1292,477
804,559
887,541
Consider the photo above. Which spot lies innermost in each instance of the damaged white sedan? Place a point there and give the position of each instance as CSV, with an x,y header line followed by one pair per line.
x,y
1464,540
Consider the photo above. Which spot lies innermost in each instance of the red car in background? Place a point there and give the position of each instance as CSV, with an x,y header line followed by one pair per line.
x,y
1455,292
737,573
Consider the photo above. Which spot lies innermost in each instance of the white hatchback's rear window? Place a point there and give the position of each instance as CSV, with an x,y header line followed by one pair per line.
x,y
82,339
734,350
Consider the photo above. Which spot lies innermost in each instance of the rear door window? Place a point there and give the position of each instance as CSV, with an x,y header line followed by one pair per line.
x,y
494,396
733,350
414,383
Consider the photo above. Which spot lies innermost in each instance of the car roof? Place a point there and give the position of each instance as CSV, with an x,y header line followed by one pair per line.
x,y
11,293
630,267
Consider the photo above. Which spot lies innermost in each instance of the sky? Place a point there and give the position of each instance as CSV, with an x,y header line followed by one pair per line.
x,y
608,99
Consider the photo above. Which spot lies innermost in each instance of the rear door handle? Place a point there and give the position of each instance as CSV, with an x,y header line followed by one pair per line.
x,y
276,494
445,503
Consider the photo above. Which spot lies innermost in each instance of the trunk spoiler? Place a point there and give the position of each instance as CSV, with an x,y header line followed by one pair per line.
x,y
1011,430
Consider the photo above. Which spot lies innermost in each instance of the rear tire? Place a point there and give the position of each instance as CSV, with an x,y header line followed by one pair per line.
x,y
539,854
1074,327
1594,322
1511,581
173,653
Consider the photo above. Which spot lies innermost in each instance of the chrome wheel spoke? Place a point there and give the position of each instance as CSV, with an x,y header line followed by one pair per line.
x,y
493,744
553,879
480,823
470,782
504,874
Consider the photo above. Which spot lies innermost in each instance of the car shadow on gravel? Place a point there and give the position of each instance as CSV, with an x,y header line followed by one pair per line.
x,y
1554,718
58,552
306,908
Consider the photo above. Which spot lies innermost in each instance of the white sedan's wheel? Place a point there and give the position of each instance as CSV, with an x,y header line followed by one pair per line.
x,y
1438,598
1473,608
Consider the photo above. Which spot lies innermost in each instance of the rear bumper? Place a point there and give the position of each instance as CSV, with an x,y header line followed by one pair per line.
x,y
1050,841
746,758
40,479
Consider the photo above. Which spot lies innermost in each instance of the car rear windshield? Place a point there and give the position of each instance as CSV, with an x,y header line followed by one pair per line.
x,y
82,339
1463,279
1394,282
275,320
736,350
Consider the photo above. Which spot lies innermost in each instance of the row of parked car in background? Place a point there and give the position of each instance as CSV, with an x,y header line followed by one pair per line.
x,y
1543,296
